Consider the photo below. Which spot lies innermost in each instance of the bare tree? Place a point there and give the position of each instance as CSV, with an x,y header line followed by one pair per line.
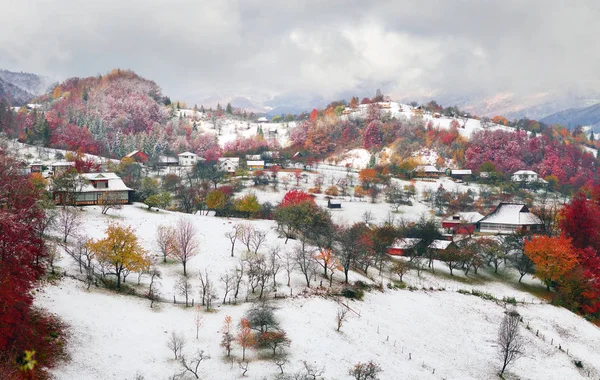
x,y
510,342
207,289
53,254
233,235
274,263
185,242
305,261
153,292
257,240
289,264
238,279
164,240
247,231
228,280
193,364
368,217
243,366
184,288
176,343
340,317
281,359
69,221
109,200
400,268
198,319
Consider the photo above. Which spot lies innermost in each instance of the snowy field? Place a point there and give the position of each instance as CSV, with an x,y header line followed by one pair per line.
x,y
446,335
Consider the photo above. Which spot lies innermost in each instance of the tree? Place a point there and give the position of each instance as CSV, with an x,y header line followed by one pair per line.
x,y
245,337
553,257
510,342
153,292
120,251
226,335
68,221
233,235
185,242
165,239
193,364
228,109
400,268
248,204
340,316
198,319
176,343
365,371
216,200
109,200
184,288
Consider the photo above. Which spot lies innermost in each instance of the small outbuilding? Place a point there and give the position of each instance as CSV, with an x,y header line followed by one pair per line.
x,y
334,203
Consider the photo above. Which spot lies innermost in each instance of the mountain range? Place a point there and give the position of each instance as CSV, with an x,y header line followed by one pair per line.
x,y
18,88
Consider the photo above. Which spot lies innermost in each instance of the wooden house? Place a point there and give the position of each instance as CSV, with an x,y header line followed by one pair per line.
x,y
255,165
94,188
229,164
508,218
334,203
426,171
138,156
403,247
462,222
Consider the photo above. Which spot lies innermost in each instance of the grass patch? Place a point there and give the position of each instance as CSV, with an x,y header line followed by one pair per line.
x,y
478,293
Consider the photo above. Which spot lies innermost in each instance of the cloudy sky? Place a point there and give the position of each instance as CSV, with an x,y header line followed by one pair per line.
x,y
195,49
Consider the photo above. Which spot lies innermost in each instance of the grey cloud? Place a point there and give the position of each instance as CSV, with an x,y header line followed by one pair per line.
x,y
195,49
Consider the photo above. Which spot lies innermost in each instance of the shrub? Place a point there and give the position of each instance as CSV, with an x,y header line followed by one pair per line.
x,y
353,293
332,191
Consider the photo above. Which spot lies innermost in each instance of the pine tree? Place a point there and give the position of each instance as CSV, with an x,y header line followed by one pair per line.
x,y
229,110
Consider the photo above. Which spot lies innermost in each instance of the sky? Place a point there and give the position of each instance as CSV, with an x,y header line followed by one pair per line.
x,y
196,49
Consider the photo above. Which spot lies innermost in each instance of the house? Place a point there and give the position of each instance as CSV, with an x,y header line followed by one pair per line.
x,y
94,187
462,222
229,164
508,218
36,167
253,157
527,176
138,156
273,132
271,154
334,203
461,174
189,159
437,115
165,161
441,245
426,171
403,247
262,120
255,165
418,110
61,167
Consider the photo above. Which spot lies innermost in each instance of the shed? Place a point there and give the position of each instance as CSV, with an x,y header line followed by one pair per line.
x,y
334,203
404,246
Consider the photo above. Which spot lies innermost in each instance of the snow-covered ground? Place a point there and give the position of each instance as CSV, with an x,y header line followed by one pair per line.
x,y
446,335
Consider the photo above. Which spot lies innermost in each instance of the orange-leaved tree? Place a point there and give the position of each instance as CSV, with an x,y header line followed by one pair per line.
x,y
245,337
554,257
227,338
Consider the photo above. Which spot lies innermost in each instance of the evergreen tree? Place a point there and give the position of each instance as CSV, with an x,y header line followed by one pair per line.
x,y
229,109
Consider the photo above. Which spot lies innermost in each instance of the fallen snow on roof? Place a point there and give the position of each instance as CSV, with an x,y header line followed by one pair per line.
x,y
115,183
465,217
510,213
405,243
440,244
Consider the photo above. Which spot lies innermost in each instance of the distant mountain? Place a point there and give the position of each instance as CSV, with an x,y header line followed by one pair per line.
x,y
573,117
20,88
31,83
517,106
15,96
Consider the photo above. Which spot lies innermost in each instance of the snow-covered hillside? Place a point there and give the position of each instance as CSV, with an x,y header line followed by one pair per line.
x,y
436,333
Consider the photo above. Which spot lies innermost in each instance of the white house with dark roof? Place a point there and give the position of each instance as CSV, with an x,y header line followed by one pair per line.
x,y
528,176
508,218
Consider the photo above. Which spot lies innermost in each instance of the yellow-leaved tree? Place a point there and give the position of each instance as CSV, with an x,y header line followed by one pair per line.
x,y
120,252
